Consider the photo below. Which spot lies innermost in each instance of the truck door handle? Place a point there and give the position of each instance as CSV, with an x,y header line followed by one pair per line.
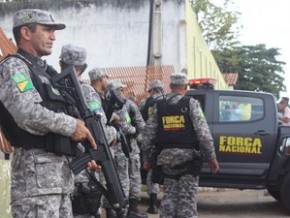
x,y
261,133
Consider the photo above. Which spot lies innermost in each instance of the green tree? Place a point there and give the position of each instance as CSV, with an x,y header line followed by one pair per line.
x,y
257,66
218,23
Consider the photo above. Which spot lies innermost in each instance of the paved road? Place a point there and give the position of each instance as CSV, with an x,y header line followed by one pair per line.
x,y
234,203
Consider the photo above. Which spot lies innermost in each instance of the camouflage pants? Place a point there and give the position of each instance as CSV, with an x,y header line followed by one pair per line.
x,y
134,176
153,188
122,168
179,199
41,184
52,206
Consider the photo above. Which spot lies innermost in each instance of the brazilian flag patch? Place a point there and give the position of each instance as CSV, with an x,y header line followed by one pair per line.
x,y
23,82
94,105
128,118
201,114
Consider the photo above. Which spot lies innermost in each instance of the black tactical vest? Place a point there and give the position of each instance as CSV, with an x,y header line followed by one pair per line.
x,y
149,103
52,100
175,129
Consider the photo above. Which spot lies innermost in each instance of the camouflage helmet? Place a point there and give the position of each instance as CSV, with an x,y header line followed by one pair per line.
x,y
155,84
27,16
73,55
179,79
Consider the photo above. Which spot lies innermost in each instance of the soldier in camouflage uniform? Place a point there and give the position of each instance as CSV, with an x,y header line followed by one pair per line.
x,y
76,56
121,161
99,80
146,107
41,181
178,127
73,55
136,120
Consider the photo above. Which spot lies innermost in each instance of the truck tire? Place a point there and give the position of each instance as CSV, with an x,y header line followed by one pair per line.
x,y
285,191
275,193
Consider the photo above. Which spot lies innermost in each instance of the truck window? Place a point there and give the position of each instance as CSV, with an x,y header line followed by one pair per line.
x,y
240,109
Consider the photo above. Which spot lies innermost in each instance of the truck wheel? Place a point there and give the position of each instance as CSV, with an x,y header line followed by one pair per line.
x,y
285,191
275,193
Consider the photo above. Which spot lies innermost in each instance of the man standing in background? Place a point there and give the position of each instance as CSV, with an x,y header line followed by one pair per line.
x,y
146,108
180,132
284,111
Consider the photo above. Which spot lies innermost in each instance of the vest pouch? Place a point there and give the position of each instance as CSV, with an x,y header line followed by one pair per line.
x,y
87,200
157,175
61,145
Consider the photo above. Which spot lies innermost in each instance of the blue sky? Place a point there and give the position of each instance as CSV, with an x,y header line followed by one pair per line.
x,y
265,21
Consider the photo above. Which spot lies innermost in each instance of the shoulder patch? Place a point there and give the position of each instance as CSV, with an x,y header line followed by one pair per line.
x,y
128,118
201,114
94,105
22,81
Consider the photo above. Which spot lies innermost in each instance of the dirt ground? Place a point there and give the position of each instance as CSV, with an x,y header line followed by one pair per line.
x,y
212,203
231,203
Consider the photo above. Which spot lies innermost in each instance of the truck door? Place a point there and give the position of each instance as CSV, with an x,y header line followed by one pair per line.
x,y
244,128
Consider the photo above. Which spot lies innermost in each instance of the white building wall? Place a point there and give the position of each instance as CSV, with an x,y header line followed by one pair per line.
x,y
114,36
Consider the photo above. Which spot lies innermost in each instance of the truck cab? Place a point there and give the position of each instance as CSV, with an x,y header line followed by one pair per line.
x,y
251,147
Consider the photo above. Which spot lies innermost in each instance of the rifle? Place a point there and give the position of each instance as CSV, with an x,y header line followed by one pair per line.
x,y
68,85
126,147
114,102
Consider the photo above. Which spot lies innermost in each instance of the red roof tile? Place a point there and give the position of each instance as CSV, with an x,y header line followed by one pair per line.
x,y
231,79
6,45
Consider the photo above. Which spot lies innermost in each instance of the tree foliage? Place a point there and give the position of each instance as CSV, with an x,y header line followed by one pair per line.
x,y
257,66
218,23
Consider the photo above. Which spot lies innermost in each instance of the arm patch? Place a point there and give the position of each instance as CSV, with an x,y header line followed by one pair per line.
x,y
23,82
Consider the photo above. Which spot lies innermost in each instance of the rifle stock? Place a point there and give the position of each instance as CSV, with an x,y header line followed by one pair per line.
x,y
68,84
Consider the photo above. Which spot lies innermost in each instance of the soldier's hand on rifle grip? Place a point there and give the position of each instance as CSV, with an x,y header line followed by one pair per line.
x,y
214,165
92,165
115,119
82,133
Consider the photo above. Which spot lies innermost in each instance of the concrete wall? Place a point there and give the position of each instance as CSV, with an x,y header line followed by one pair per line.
x,y
115,34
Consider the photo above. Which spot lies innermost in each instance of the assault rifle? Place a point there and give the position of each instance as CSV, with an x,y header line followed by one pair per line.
x,y
68,85
114,102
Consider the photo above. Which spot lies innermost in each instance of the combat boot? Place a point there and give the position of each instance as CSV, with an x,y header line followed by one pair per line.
x,y
153,208
121,213
133,211
110,213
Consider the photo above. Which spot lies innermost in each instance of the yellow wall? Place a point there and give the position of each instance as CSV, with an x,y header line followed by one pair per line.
x,y
200,62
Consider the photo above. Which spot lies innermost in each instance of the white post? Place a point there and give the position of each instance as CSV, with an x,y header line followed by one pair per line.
x,y
156,57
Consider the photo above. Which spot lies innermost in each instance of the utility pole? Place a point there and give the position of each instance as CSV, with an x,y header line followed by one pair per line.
x,y
154,53
154,50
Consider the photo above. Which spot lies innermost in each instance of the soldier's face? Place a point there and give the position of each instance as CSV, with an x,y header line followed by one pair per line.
x,y
104,81
121,91
41,40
